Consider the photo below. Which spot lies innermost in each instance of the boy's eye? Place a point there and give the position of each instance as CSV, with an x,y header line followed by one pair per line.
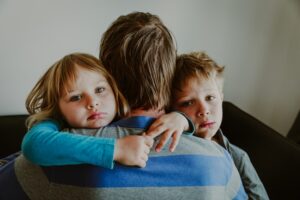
x,y
75,98
100,89
210,98
186,103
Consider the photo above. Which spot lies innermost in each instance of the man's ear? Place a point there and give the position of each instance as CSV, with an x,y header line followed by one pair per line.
x,y
222,95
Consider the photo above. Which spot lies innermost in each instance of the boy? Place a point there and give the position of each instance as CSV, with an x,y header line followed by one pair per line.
x,y
198,92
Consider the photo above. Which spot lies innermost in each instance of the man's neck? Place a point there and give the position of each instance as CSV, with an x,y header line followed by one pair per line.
x,y
150,113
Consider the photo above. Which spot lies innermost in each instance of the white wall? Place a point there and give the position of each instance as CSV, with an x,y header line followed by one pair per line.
x,y
258,41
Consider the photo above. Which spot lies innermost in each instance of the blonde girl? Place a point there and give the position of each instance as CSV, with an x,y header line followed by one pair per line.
x,y
77,92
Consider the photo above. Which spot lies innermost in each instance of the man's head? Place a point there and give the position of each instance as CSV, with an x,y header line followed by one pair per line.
x,y
139,52
197,91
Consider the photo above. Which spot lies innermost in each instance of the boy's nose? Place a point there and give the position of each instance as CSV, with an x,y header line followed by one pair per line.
x,y
202,110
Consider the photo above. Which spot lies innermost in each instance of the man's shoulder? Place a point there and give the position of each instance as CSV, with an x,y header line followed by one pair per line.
x,y
189,144
127,126
142,122
197,164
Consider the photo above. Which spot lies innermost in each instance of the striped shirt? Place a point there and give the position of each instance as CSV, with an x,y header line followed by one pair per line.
x,y
198,169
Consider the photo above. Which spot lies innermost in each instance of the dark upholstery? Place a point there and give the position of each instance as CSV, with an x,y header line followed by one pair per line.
x,y
12,130
276,158
294,133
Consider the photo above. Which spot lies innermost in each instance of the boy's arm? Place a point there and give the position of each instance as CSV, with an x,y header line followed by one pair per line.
x,y
170,125
191,127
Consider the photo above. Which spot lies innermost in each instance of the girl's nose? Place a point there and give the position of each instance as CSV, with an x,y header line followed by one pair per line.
x,y
92,103
91,106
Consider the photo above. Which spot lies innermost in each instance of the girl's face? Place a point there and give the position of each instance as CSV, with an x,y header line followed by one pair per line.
x,y
201,100
89,101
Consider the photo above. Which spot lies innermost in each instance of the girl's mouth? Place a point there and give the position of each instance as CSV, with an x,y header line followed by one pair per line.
x,y
96,116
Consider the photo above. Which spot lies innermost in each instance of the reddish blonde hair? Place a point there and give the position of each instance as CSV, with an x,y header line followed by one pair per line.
x,y
43,100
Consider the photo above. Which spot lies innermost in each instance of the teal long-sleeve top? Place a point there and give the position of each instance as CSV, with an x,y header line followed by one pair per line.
x,y
63,148
46,145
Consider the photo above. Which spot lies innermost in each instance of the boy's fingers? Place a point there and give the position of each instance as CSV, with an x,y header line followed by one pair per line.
x,y
154,132
155,124
174,142
163,140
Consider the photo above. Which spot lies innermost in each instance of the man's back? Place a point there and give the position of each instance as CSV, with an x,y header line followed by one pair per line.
x,y
198,169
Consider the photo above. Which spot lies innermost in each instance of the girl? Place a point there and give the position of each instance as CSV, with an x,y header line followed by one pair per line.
x,y
77,92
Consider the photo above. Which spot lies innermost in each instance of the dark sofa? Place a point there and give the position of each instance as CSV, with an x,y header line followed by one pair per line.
x,y
276,158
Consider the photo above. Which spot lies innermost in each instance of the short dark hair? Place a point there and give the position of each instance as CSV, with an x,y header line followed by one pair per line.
x,y
196,65
140,53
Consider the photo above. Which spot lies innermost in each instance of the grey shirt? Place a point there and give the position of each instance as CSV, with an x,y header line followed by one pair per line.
x,y
251,181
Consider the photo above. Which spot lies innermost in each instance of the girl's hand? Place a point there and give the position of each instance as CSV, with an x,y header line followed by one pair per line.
x,y
133,150
168,125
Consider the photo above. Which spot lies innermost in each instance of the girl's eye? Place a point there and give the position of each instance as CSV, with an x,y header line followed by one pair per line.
x,y
75,98
100,89
186,103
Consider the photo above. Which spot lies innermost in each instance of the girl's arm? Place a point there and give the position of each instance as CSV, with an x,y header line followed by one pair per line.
x,y
45,145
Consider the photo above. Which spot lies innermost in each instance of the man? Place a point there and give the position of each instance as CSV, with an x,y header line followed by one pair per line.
x,y
138,50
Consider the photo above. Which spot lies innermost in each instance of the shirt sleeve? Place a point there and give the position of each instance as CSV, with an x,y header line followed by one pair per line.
x,y
251,181
191,129
44,144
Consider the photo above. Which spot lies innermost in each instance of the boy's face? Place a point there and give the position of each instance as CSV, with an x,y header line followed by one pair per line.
x,y
201,100
89,102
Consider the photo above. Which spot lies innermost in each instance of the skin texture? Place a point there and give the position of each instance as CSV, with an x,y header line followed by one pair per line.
x,y
201,100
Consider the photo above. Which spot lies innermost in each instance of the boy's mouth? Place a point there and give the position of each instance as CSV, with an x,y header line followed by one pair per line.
x,y
207,124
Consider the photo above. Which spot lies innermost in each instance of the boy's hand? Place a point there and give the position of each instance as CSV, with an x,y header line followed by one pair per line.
x,y
168,125
133,150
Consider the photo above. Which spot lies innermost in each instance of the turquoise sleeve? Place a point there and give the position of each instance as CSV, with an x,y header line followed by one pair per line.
x,y
45,145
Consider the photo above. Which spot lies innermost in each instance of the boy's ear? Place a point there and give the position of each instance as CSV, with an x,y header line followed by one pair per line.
x,y
222,95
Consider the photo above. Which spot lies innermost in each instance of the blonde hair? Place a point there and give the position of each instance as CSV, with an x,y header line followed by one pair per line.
x,y
43,100
139,51
196,65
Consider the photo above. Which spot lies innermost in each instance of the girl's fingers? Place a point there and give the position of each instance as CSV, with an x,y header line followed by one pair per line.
x,y
149,141
144,157
147,150
141,163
